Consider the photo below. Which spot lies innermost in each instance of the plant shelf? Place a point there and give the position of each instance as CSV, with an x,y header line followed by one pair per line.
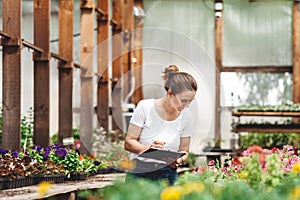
x,y
267,113
266,129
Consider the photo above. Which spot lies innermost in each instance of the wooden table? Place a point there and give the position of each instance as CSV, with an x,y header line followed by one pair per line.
x,y
62,191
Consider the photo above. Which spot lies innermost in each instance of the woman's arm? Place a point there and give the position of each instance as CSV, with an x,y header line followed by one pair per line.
x,y
184,147
131,141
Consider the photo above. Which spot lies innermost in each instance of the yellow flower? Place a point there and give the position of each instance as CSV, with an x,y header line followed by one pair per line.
x,y
43,187
296,168
171,193
243,174
295,194
193,186
126,165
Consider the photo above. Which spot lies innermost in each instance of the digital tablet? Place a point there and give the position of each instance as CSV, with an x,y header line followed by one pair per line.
x,y
160,154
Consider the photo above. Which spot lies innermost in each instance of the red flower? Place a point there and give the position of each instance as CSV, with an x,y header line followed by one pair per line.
x,y
274,150
236,161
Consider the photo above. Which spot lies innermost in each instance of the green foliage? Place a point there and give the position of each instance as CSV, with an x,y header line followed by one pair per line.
x,y
260,174
194,187
70,162
268,140
287,106
76,136
135,190
27,130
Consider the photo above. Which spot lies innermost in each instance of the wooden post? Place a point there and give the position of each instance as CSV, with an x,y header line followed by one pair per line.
x,y
41,72
102,63
127,46
86,57
296,52
65,129
117,68
137,55
11,77
218,61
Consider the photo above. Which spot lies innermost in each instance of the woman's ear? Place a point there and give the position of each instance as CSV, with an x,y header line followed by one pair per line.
x,y
169,91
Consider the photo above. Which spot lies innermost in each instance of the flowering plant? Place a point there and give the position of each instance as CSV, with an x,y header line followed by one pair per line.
x,y
71,159
257,166
269,174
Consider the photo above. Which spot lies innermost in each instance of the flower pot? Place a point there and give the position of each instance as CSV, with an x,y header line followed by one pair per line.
x,y
2,183
37,178
28,180
104,170
11,183
53,178
77,176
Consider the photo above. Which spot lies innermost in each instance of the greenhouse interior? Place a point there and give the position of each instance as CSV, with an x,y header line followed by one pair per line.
x,y
150,99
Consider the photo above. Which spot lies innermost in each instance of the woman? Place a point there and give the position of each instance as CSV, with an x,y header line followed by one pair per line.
x,y
162,124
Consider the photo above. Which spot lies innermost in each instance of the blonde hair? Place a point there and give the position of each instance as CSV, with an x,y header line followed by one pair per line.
x,y
177,81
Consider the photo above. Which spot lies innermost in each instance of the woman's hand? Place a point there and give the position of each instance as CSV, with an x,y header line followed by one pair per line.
x,y
175,163
157,144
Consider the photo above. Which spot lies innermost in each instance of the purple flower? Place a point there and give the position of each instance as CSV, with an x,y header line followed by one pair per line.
x,y
47,148
15,154
97,163
38,148
56,146
46,155
3,151
61,152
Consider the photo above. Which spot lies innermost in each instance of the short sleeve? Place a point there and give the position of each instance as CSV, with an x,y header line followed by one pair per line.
x,y
139,115
187,128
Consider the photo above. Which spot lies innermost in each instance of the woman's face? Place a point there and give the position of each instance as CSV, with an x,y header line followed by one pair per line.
x,y
183,99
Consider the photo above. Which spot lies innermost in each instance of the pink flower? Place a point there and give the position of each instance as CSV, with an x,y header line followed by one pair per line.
x,y
77,144
285,160
212,168
288,147
212,162
201,169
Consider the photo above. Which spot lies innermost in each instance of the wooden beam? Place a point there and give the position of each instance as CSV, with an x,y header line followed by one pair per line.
x,y
41,72
218,36
127,46
11,75
296,52
137,52
218,61
117,67
65,118
102,63
86,57
258,69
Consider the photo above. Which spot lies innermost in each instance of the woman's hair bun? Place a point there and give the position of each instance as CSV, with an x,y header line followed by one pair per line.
x,y
168,70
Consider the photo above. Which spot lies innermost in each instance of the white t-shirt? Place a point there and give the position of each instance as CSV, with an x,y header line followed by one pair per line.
x,y
156,128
